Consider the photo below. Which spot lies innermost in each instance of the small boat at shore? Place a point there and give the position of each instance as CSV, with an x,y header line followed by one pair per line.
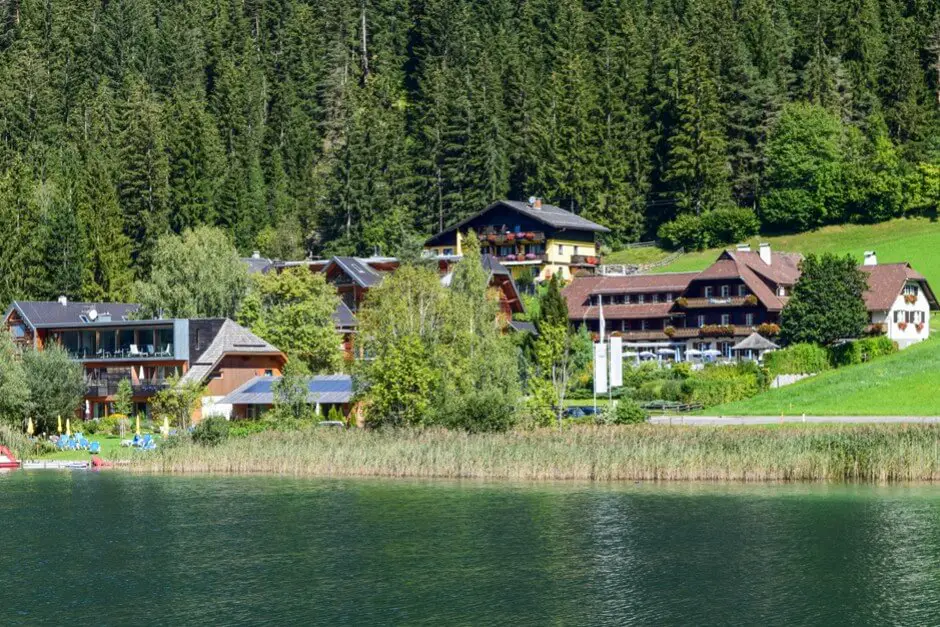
x,y
7,459
55,464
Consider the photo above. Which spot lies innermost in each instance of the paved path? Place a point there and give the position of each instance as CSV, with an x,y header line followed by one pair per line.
x,y
768,420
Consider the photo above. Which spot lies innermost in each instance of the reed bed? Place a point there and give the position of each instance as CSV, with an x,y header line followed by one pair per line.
x,y
877,453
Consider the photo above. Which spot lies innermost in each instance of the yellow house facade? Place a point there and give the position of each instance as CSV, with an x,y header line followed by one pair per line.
x,y
532,239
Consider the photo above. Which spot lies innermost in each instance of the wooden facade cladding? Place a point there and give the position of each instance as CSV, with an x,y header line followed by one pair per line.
x,y
236,370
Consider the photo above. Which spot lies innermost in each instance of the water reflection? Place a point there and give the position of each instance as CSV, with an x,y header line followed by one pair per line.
x,y
257,550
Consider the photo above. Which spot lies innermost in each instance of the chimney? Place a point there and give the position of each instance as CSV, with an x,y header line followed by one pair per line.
x,y
63,300
744,248
535,203
871,259
765,255
256,254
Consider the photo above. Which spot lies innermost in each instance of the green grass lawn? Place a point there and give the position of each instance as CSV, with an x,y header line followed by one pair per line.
x,y
903,384
916,240
109,444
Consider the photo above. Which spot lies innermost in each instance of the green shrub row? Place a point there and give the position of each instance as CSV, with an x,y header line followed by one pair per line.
x,y
860,351
797,359
718,227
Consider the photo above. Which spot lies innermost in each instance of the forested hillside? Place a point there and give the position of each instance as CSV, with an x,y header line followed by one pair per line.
x,y
319,126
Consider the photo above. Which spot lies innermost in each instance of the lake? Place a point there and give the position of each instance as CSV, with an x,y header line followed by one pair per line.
x,y
112,548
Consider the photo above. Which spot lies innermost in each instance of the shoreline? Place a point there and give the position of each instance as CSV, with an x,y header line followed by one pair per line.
x,y
866,453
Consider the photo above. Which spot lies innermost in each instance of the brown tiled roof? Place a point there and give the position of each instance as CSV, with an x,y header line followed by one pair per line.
x,y
885,282
578,291
626,312
729,266
784,267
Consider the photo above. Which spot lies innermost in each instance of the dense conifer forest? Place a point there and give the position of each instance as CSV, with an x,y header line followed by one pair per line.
x,y
325,126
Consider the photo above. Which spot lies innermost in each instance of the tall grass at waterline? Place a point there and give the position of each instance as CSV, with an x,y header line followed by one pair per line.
x,y
878,453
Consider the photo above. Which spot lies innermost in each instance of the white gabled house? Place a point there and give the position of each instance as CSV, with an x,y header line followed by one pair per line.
x,y
899,300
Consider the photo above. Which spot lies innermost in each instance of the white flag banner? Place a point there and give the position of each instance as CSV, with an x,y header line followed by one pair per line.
x,y
600,308
616,362
600,368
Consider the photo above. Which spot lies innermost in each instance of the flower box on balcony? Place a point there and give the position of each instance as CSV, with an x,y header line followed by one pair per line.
x,y
716,330
910,299
510,237
530,256
919,326
902,326
520,257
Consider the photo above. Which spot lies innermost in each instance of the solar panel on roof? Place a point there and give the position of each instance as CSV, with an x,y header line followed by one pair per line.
x,y
259,387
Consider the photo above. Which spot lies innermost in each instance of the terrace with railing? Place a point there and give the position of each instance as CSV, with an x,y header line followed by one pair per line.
x,y
134,343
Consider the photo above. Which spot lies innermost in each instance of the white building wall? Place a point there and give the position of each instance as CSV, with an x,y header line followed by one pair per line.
x,y
910,335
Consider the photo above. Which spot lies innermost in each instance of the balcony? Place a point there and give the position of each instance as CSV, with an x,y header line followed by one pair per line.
x,y
523,259
585,260
109,387
131,353
717,302
506,237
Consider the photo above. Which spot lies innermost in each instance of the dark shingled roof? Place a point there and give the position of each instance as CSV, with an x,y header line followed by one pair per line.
x,y
232,339
359,271
546,214
258,265
333,388
343,317
40,314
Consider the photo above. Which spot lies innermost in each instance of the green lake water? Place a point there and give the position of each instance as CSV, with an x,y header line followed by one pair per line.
x,y
110,548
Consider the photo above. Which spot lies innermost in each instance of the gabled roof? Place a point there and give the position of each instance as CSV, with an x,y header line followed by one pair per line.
x,y
747,266
232,339
578,292
755,342
343,317
886,281
333,388
550,215
358,270
45,314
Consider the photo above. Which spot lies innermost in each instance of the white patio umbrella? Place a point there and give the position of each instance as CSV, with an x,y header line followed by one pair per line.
x,y
647,354
666,351
711,352
693,352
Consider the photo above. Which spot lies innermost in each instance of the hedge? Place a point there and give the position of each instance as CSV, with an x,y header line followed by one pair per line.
x,y
797,359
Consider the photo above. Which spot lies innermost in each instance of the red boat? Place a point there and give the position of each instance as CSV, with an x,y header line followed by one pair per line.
x,y
7,460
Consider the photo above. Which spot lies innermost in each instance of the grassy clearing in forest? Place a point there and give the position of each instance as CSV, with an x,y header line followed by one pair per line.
x,y
639,452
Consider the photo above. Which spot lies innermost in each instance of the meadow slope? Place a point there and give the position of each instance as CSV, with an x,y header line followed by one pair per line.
x,y
904,384
916,240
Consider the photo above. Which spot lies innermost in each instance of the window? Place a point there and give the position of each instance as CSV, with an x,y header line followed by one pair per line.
x,y
448,252
725,291
269,373
626,299
749,319
643,325
640,299
725,319
701,321
18,331
576,249
561,249
669,297
742,290
215,374
708,291
654,298
781,291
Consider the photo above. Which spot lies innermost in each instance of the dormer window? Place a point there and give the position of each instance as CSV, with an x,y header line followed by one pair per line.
x,y
911,289
781,291
742,290
725,291
709,290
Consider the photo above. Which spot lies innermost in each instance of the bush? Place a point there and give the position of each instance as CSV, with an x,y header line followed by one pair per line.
x,y
244,428
211,431
628,412
713,228
716,385
729,225
860,351
797,359
683,232
111,425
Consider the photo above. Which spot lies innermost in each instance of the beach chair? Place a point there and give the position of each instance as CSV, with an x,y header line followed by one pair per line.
x,y
134,352
95,448
61,443
150,349
83,444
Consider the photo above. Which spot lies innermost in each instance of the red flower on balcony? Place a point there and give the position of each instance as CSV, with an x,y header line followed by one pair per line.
x,y
919,326
902,326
